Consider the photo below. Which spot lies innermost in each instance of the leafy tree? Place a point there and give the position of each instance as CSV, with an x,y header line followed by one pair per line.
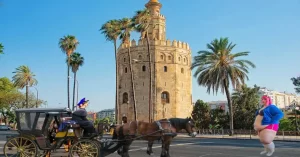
x,y
76,60
112,30
142,19
245,103
219,119
201,114
287,125
1,48
296,82
218,67
24,77
127,26
68,45
11,99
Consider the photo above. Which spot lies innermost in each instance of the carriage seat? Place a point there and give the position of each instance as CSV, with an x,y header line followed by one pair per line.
x,y
72,125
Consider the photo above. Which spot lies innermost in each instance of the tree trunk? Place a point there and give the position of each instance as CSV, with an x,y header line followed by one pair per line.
x,y
132,83
230,108
27,92
117,109
74,86
150,78
68,84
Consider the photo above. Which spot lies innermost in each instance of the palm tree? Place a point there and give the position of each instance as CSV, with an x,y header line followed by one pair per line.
x,y
1,48
142,19
68,45
112,30
127,26
76,60
218,66
24,77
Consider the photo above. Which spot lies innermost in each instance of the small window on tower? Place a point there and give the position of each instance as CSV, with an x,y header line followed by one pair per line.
x,y
162,57
124,59
144,68
126,70
165,97
169,57
125,97
165,69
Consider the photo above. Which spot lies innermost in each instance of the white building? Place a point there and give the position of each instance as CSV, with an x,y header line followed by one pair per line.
x,y
106,113
219,104
280,99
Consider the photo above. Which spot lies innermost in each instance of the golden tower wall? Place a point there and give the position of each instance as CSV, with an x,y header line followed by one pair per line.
x,y
175,81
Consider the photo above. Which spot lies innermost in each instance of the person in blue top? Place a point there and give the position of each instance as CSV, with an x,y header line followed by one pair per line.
x,y
80,115
267,124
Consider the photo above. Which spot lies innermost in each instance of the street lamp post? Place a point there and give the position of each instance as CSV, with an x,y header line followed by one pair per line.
x,y
37,96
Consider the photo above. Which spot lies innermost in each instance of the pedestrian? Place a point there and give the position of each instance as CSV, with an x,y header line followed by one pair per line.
x,y
267,124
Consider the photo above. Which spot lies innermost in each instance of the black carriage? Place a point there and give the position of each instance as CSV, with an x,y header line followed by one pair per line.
x,y
36,138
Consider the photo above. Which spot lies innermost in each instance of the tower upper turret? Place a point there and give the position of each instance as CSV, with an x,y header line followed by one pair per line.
x,y
157,27
154,7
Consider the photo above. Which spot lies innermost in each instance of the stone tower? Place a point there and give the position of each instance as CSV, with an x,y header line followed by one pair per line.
x,y
171,74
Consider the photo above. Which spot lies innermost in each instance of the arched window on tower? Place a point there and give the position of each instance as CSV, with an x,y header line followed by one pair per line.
x,y
126,70
162,57
144,68
182,70
165,97
165,69
125,97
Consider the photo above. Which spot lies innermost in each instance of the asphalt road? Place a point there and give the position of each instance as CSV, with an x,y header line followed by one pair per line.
x,y
205,147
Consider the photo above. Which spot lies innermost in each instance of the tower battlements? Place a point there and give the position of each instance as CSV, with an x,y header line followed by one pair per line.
x,y
169,43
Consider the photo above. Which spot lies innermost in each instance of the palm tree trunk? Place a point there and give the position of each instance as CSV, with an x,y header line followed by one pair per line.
x,y
132,84
68,84
74,86
230,107
117,85
150,78
27,92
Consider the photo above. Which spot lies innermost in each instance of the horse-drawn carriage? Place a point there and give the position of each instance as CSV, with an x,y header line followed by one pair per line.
x,y
37,138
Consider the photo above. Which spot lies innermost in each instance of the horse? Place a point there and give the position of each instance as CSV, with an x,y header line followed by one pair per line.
x,y
179,124
161,129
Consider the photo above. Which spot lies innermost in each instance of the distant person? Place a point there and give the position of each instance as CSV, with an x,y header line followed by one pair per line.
x,y
124,119
267,124
80,115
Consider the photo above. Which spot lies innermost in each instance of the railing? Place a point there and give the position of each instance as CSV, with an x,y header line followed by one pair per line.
x,y
246,134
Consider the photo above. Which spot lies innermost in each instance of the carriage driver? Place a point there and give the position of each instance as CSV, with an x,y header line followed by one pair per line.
x,y
80,117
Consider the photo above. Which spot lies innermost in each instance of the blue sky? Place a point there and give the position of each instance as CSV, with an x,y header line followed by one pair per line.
x,y
30,31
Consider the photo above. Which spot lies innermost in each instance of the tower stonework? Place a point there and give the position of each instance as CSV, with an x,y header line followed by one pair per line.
x,y
171,74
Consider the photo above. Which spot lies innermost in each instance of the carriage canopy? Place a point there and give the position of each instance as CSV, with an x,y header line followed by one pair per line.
x,y
36,118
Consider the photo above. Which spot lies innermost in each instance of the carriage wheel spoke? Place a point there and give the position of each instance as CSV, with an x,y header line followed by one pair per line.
x,y
20,147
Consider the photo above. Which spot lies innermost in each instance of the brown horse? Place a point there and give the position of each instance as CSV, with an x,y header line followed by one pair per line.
x,y
179,124
128,132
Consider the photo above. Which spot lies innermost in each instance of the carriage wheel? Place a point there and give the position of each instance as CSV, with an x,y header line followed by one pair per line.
x,y
84,148
20,146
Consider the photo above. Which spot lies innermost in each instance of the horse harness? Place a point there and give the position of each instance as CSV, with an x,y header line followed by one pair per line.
x,y
165,132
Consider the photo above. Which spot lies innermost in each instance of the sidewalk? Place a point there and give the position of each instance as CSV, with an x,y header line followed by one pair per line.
x,y
277,138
